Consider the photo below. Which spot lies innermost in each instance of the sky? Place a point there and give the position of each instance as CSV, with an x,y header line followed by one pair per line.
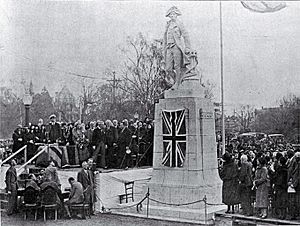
x,y
261,51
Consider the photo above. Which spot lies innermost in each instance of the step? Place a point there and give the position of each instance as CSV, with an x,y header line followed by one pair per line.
x,y
174,213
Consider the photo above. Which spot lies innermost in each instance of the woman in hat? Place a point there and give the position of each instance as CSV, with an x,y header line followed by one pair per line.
x,y
261,185
229,176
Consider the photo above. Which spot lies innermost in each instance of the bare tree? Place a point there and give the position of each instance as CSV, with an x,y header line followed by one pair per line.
x,y
141,71
245,117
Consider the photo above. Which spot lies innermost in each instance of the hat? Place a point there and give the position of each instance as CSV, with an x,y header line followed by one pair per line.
x,y
173,9
52,116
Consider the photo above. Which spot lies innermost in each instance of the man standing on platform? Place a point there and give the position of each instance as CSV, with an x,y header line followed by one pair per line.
x,y
11,188
124,152
85,177
99,141
53,129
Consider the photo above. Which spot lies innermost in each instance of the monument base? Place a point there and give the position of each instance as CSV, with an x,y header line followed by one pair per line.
x,y
178,192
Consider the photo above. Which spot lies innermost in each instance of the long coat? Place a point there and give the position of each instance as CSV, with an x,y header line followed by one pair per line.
x,y
87,181
262,191
230,191
181,38
12,186
54,132
19,140
281,186
124,139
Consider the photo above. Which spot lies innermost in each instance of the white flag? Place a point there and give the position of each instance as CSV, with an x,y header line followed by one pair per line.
x,y
263,6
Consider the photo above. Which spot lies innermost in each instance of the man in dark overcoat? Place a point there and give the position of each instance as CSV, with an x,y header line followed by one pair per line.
x,y
124,141
11,188
99,140
53,129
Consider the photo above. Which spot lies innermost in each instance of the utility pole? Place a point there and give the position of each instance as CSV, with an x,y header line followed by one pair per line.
x,y
114,86
114,82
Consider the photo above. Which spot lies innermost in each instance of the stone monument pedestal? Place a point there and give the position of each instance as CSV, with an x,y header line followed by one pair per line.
x,y
198,176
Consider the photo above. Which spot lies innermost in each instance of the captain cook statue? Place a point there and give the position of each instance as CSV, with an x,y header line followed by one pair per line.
x,y
179,62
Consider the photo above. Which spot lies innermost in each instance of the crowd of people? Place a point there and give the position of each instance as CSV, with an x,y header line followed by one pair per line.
x,y
117,144
262,176
46,189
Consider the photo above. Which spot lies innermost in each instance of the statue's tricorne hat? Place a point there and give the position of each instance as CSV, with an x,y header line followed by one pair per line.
x,y
173,9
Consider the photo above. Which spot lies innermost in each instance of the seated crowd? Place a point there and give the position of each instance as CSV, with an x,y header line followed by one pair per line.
x,y
117,143
45,188
261,175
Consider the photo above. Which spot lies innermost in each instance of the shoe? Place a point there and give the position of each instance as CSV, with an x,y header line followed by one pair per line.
x,y
228,211
263,216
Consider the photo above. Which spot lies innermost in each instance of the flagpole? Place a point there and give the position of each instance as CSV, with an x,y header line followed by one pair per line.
x,y
222,79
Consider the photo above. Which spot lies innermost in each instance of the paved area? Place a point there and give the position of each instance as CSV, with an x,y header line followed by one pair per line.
x,y
99,219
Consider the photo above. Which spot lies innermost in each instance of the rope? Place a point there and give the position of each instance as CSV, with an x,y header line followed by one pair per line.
x,y
136,204
123,207
215,204
177,204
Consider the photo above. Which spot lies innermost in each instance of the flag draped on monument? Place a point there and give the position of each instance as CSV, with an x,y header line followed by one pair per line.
x,y
263,6
174,138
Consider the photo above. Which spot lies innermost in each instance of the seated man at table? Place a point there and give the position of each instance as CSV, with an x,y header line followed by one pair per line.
x,y
51,173
51,184
76,195
32,182
32,190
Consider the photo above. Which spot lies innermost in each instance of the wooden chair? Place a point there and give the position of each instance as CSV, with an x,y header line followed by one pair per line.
x,y
49,201
128,192
83,207
31,201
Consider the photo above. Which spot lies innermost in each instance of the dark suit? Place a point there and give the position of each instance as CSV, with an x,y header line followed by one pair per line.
x,y
99,141
86,178
123,142
54,132
110,140
19,141
12,186
53,185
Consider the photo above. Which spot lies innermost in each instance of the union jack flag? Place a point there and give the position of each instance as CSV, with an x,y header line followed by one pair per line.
x,y
174,138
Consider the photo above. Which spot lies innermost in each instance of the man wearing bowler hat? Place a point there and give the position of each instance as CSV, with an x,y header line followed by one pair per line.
x,y
176,45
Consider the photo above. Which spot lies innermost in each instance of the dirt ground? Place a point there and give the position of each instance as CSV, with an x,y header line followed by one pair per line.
x,y
99,219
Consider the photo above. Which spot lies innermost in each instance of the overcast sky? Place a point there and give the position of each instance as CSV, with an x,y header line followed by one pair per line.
x,y
261,51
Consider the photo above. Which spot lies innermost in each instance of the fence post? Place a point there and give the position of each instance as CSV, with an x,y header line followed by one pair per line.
x,y
205,210
148,194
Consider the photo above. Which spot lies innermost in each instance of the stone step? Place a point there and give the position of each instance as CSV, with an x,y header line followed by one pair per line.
x,y
175,213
